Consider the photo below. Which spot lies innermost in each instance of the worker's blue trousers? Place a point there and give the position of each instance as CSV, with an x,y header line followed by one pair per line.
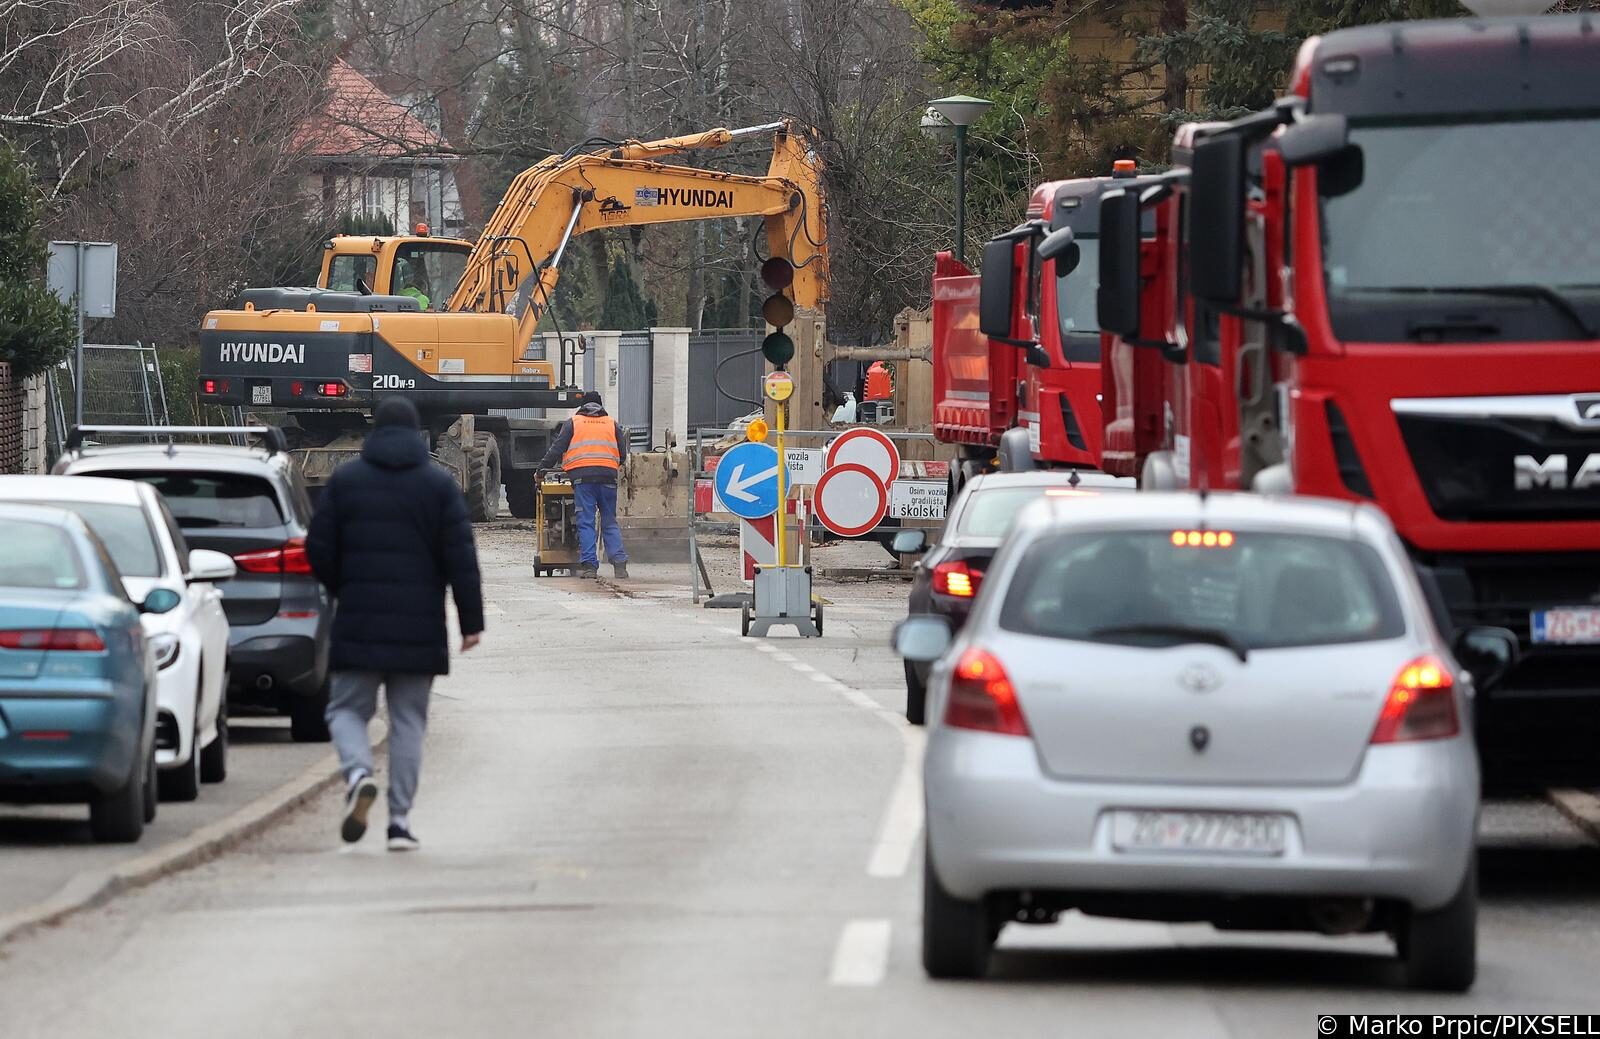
x,y
601,496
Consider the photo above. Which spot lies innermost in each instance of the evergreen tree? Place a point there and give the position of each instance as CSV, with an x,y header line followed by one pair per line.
x,y
36,329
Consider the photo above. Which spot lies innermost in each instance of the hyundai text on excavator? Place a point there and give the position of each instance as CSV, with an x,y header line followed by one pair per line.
x,y
450,325
1357,294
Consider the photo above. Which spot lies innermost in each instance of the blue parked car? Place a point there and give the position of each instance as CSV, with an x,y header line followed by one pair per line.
x,y
77,684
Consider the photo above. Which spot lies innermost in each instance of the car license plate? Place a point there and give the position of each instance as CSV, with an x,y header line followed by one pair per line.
x,y
1574,625
261,394
1241,833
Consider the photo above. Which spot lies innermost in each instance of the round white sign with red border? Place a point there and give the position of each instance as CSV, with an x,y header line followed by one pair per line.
x,y
850,499
866,447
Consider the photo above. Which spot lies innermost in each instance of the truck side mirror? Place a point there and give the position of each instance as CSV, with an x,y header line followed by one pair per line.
x,y
997,289
1060,245
1314,139
1117,300
1216,219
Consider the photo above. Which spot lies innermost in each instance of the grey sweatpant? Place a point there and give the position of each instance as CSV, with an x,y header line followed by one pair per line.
x,y
353,701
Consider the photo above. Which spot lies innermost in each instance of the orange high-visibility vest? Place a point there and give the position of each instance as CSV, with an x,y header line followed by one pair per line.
x,y
594,444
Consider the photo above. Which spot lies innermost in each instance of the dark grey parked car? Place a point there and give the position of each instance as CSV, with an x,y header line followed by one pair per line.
x,y
251,503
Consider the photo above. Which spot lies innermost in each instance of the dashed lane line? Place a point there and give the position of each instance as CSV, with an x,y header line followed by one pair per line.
x,y
861,958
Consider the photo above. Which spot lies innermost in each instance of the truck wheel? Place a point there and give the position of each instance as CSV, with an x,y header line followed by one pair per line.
x,y
522,493
483,477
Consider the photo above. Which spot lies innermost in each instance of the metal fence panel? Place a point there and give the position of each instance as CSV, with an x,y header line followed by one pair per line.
x,y
634,376
122,387
716,398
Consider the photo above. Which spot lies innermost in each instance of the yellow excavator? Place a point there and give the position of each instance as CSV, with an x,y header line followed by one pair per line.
x,y
378,322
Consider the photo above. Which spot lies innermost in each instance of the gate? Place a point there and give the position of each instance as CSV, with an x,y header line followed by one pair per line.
x,y
634,376
725,372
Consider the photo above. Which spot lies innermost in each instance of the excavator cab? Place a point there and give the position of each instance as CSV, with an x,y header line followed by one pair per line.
x,y
419,266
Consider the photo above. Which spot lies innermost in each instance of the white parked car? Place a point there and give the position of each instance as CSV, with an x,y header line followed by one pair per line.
x,y
189,638
1222,708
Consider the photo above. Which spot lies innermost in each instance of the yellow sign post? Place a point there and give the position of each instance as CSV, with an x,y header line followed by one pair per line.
x,y
779,388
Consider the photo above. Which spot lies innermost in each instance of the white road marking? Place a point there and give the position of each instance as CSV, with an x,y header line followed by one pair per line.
x,y
902,818
804,669
862,956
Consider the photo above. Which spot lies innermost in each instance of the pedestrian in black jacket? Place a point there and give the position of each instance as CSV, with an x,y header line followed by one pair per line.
x,y
390,532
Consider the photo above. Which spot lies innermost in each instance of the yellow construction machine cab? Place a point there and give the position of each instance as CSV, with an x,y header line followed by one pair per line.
x,y
416,265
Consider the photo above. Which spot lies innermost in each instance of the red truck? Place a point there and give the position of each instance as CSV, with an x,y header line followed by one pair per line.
x,y
1387,288
1021,386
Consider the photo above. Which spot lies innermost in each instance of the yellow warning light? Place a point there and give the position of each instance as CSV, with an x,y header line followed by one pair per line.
x,y
1203,538
756,430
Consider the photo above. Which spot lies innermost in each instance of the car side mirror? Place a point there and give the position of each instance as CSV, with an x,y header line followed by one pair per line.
x,y
207,565
160,600
1117,300
923,638
1487,653
910,542
997,289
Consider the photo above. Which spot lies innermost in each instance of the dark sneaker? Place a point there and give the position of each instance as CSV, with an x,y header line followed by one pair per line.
x,y
588,573
400,839
620,570
357,803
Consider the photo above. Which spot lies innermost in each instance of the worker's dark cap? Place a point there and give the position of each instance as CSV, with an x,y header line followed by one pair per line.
x,y
591,397
396,411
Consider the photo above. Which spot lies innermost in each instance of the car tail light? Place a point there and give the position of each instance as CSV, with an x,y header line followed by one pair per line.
x,y
1421,704
287,558
65,640
982,697
957,579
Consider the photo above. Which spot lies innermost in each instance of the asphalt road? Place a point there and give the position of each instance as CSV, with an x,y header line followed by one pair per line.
x,y
636,823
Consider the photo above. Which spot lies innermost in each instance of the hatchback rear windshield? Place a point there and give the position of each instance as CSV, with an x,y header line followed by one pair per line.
x,y
988,513
37,556
1250,590
125,531
204,501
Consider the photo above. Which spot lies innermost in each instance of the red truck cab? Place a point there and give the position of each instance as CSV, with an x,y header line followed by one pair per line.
x,y
1027,387
1387,288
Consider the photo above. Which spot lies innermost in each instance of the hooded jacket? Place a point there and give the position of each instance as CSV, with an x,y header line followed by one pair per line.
x,y
389,533
586,474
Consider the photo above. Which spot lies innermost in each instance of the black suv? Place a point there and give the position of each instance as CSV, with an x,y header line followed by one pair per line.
x,y
250,502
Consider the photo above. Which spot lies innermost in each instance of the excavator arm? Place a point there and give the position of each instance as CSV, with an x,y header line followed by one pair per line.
x,y
514,267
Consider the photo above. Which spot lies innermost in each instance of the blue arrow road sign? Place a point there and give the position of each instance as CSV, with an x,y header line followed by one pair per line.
x,y
747,481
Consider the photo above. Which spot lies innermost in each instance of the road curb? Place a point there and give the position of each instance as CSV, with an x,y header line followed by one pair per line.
x,y
1582,807
92,888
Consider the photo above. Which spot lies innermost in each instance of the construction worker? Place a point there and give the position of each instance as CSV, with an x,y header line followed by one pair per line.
x,y
415,278
590,448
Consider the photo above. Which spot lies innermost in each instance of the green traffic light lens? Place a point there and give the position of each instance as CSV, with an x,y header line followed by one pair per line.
x,y
778,349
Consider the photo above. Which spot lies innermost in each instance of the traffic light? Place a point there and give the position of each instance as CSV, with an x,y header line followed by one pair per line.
x,y
777,311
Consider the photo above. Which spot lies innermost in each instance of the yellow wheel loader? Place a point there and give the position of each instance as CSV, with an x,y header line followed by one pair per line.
x,y
450,325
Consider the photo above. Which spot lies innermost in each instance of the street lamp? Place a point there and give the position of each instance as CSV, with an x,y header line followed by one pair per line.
x,y
959,111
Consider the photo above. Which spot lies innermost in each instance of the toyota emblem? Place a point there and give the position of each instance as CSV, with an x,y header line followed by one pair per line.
x,y
1199,678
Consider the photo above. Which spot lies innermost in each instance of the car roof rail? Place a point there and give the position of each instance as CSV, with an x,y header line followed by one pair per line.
x,y
272,437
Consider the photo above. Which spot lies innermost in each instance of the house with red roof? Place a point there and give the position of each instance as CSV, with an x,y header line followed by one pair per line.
x,y
372,155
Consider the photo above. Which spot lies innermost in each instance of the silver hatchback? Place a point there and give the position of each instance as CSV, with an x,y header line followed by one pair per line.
x,y
1220,708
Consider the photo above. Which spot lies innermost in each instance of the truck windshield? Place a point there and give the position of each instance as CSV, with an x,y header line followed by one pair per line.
x,y
1075,297
1446,237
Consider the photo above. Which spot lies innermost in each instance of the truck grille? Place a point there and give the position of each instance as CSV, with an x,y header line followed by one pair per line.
x,y
1468,467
